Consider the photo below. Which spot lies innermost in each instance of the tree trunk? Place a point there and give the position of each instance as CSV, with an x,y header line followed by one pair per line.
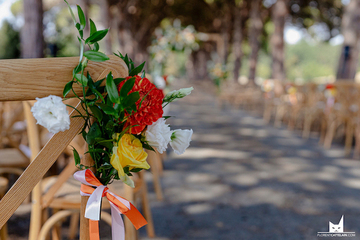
x,y
279,13
106,17
32,39
256,26
226,33
126,40
237,40
350,50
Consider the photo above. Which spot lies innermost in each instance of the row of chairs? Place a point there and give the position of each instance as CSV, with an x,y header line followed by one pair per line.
x,y
58,193
331,110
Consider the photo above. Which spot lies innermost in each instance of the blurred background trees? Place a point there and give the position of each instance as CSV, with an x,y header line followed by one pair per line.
x,y
250,39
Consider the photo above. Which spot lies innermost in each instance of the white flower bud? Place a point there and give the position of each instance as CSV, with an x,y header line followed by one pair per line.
x,y
180,140
183,92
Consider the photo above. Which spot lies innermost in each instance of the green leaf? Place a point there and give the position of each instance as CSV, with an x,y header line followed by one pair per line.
x,y
136,170
108,109
105,166
105,142
94,132
96,150
96,36
96,56
71,12
67,88
81,17
109,145
96,112
126,88
118,80
148,147
78,26
92,27
131,99
76,157
111,89
109,125
143,74
77,69
137,70
96,46
82,79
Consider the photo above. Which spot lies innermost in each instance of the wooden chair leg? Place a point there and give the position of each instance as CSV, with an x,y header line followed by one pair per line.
x,y
349,137
147,210
267,114
357,142
56,230
279,115
322,132
160,164
74,225
330,135
55,233
3,185
307,126
130,231
154,159
53,220
4,233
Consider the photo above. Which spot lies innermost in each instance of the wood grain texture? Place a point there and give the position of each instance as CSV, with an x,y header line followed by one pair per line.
x,y
26,79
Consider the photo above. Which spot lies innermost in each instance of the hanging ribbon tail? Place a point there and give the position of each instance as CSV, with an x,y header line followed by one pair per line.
x,y
118,229
94,230
128,209
135,217
92,187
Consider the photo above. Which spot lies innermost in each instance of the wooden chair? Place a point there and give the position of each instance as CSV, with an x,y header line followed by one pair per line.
x,y
11,136
45,77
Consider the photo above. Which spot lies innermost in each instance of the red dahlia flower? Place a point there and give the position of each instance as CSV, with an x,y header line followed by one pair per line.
x,y
151,108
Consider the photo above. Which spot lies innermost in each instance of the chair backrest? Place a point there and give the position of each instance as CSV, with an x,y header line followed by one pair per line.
x,y
26,79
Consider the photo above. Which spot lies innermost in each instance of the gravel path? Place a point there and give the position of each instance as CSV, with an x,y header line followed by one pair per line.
x,y
242,179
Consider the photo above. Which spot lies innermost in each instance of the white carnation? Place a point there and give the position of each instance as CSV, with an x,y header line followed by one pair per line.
x,y
50,112
180,140
158,135
173,95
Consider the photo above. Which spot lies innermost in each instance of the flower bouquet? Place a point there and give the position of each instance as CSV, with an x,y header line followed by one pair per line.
x,y
122,117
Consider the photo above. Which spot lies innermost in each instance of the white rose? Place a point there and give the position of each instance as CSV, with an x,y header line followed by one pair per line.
x,y
50,112
180,140
158,135
183,92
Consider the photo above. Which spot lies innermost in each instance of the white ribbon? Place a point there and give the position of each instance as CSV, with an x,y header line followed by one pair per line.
x,y
93,207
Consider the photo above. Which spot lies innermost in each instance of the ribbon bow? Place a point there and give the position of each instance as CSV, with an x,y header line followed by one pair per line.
x,y
118,205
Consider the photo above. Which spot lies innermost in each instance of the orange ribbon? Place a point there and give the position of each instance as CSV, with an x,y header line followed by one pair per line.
x,y
118,205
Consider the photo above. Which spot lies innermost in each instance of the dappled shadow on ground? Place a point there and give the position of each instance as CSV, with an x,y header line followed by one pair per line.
x,y
242,179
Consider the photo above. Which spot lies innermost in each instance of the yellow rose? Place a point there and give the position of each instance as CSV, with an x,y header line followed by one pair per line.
x,y
128,152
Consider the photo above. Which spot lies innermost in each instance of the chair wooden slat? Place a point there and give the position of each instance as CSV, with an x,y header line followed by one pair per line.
x,y
26,79
38,167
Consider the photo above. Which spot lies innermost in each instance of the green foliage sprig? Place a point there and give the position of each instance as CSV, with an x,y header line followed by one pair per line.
x,y
101,102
